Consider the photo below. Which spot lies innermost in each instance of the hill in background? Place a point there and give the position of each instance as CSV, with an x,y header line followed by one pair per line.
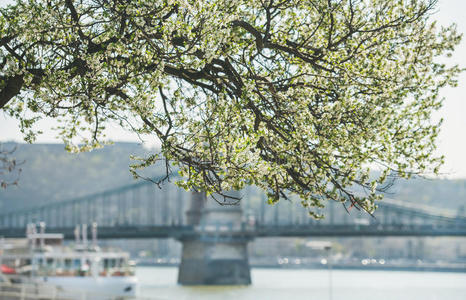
x,y
442,193
51,174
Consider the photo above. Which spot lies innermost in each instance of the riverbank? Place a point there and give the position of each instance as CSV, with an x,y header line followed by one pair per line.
x,y
364,265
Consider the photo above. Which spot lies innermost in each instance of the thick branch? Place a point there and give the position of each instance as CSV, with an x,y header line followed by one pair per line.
x,y
12,87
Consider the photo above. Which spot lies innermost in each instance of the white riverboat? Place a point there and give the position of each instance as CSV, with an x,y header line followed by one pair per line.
x,y
81,271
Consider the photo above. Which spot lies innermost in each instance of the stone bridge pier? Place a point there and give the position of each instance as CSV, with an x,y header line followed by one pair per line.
x,y
217,254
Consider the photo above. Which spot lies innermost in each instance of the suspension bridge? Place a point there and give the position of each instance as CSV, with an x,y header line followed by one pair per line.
x,y
143,210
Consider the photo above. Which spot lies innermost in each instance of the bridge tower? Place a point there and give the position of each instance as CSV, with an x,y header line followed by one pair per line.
x,y
217,253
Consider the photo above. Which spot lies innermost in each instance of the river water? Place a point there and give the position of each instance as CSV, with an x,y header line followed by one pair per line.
x,y
291,284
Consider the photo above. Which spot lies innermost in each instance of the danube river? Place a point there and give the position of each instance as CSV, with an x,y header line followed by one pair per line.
x,y
291,284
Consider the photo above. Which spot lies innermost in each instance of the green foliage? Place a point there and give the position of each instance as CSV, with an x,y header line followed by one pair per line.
x,y
295,97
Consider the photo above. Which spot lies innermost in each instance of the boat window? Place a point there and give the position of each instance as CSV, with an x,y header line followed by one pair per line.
x,y
109,263
67,263
76,263
49,261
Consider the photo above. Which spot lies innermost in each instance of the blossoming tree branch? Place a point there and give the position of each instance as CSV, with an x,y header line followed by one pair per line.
x,y
296,97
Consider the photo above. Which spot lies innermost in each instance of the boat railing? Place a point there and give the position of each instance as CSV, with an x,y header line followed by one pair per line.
x,y
21,291
44,291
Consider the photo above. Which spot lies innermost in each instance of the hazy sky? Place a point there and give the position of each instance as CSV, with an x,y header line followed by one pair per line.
x,y
452,139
